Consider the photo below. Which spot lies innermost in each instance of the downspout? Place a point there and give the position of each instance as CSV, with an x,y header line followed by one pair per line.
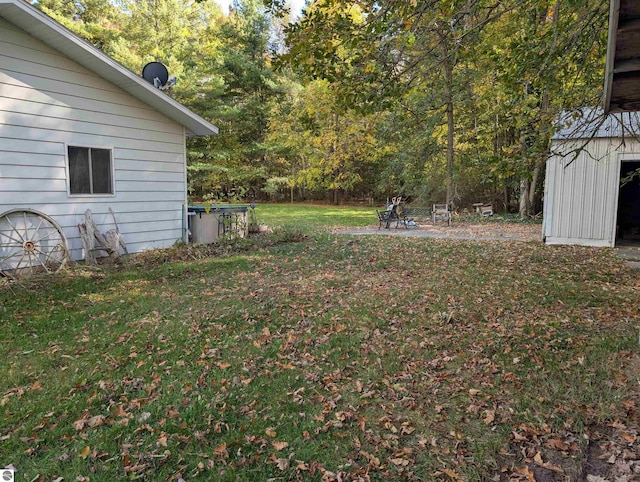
x,y
185,214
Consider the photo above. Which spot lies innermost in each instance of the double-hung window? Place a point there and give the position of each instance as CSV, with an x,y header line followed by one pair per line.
x,y
90,170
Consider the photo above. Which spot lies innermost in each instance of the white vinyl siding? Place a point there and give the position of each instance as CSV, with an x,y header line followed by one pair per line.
x,y
49,102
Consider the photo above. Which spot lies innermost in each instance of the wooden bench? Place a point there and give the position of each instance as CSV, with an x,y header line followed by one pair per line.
x,y
417,212
441,211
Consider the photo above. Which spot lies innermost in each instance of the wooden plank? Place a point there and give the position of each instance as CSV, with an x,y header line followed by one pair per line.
x,y
629,8
630,65
614,11
626,89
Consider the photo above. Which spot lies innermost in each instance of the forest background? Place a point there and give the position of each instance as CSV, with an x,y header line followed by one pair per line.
x,y
437,100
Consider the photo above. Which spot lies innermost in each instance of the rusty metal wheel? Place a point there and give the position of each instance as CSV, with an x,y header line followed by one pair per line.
x,y
30,242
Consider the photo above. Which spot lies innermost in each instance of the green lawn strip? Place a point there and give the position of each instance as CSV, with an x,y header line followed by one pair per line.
x,y
310,216
386,357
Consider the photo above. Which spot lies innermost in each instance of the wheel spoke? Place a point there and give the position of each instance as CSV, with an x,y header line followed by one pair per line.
x,y
17,253
12,239
54,231
22,240
29,259
37,228
48,256
26,229
20,262
38,259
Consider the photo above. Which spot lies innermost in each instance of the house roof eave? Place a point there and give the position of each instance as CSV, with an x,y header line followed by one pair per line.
x,y
58,37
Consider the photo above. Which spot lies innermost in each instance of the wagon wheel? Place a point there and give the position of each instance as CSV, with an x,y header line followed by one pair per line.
x,y
30,242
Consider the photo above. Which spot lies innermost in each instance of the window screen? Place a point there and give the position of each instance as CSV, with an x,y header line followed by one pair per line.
x,y
90,171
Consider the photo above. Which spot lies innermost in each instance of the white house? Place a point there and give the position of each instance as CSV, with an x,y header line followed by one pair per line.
x,y
79,131
585,202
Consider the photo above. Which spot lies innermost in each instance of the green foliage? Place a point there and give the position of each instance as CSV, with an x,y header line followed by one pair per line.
x,y
501,73
435,99
333,149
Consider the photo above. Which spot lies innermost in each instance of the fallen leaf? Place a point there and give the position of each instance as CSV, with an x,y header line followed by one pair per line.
x,y
280,445
270,432
537,458
96,421
453,474
375,461
489,416
84,453
35,386
400,461
558,444
80,423
221,451
526,472
283,464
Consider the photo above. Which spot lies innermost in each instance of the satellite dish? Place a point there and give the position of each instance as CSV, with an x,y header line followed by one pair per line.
x,y
156,74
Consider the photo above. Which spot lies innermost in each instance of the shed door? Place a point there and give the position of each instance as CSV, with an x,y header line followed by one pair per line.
x,y
628,220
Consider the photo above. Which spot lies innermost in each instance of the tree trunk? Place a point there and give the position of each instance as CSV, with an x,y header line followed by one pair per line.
x,y
533,187
524,198
448,75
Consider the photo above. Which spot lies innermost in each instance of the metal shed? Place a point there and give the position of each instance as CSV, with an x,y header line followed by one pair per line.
x,y
585,201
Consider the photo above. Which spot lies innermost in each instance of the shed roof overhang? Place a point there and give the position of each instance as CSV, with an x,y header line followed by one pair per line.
x,y
622,77
58,37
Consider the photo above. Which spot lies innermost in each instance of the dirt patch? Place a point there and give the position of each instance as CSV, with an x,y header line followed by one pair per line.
x,y
610,453
497,231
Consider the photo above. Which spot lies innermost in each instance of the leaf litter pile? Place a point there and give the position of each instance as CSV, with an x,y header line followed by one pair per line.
x,y
328,359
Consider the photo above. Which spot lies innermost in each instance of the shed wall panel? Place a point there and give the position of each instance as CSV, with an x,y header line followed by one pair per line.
x,y
581,190
48,102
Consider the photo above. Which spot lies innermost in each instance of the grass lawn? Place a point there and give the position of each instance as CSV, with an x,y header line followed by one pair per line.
x,y
326,358
310,216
